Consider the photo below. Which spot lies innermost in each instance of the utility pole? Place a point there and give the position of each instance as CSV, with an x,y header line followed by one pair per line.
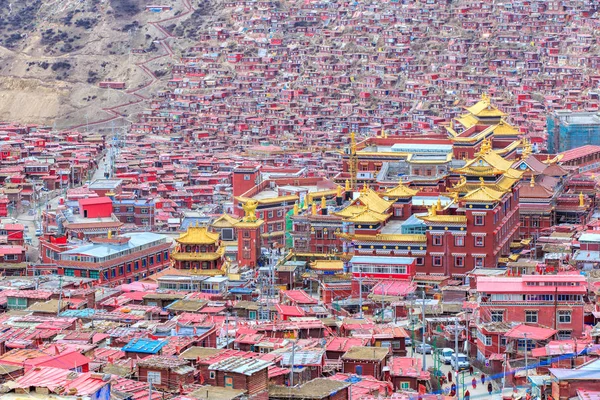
x,y
292,368
456,357
360,305
526,365
59,295
424,329
149,390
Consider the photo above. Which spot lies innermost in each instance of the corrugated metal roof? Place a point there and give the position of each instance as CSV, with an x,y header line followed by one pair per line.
x,y
145,346
240,365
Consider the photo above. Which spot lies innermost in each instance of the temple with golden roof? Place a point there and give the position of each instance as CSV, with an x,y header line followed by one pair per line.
x,y
199,251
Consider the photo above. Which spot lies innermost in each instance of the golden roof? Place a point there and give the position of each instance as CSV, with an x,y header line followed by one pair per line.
x,y
483,194
327,265
504,184
198,235
484,108
451,219
400,191
369,216
225,221
350,211
371,199
504,128
385,237
467,120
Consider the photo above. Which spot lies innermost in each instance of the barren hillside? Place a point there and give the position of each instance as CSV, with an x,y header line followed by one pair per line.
x,y
55,53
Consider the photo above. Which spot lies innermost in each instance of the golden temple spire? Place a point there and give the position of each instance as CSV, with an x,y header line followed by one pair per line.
x,y
439,204
347,185
313,208
432,210
581,200
532,182
295,208
323,202
338,192
481,181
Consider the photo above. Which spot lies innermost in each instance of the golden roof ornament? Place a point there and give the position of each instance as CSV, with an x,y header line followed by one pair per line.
x,y
581,200
296,208
338,192
439,204
250,210
486,146
347,185
313,208
481,181
323,202
485,97
432,211
532,182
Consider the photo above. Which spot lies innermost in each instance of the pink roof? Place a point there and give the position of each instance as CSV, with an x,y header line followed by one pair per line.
x,y
577,152
290,311
4,250
65,360
394,287
523,331
343,344
518,284
94,200
407,366
299,297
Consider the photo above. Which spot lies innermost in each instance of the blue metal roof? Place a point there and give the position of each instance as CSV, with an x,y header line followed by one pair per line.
x,y
145,346
85,313
240,290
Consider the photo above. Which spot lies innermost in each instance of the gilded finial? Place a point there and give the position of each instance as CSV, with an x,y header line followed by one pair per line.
x,y
439,204
249,210
295,208
532,182
364,188
581,200
548,158
347,185
323,202
485,97
486,146
313,208
481,181
432,211
338,192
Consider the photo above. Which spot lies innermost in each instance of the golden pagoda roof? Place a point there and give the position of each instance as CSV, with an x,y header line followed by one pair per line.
x,y
198,235
467,120
225,221
350,211
400,191
504,184
198,256
369,198
369,216
483,194
484,108
327,265
504,128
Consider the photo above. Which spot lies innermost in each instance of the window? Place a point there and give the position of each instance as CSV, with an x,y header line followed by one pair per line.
x,y
459,261
69,272
166,255
246,234
83,273
129,268
136,265
130,209
399,212
151,260
144,211
564,335
121,270
252,314
521,343
479,241
279,213
437,240
503,341
564,316
497,315
17,303
145,221
531,317
404,385
130,219
535,222
479,220
437,261
143,262
486,340
154,377
420,261
479,261
94,275
459,241
113,272
246,177
227,234
271,214
212,375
